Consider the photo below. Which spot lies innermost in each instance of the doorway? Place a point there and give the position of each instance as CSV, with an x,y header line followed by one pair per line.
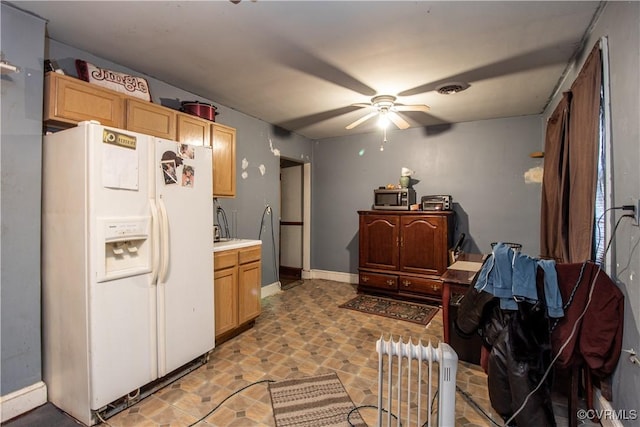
x,y
292,223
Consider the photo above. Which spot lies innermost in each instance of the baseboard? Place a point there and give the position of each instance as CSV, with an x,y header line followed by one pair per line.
x,y
338,276
272,289
23,400
603,406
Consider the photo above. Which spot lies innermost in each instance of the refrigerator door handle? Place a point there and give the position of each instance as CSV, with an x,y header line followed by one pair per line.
x,y
164,241
155,230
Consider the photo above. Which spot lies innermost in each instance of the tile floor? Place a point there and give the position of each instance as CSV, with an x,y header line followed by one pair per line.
x,y
301,332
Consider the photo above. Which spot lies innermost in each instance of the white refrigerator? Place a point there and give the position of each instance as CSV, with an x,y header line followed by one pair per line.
x,y
127,263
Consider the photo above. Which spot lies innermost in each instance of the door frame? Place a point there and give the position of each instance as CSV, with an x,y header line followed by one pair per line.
x,y
306,218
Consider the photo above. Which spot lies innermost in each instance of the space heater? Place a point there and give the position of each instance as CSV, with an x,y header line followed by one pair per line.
x,y
416,375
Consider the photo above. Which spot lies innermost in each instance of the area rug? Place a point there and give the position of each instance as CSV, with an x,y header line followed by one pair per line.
x,y
401,310
319,401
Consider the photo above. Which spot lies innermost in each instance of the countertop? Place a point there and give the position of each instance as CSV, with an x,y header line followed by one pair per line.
x,y
226,244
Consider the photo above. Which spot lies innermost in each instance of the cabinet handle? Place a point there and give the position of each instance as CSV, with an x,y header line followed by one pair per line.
x,y
402,242
406,282
435,287
390,282
365,279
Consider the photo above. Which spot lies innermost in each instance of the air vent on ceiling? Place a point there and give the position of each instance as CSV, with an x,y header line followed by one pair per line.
x,y
451,88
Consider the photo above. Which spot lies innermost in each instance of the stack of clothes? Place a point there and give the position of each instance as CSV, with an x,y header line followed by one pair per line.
x,y
525,310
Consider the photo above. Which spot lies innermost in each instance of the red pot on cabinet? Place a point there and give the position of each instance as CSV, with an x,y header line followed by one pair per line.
x,y
200,109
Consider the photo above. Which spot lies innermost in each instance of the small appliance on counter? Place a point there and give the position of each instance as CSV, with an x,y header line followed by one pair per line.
x,y
436,203
216,233
399,199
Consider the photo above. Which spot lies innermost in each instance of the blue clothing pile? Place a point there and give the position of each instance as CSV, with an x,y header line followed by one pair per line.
x,y
511,276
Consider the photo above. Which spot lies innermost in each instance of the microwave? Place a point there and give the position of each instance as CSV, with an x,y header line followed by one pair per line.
x,y
399,199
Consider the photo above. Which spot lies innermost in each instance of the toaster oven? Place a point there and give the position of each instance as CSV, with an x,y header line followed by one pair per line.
x,y
436,203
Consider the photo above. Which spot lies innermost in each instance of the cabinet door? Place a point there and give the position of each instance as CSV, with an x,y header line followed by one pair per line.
x,y
68,101
249,283
423,244
151,119
379,241
223,140
225,285
193,130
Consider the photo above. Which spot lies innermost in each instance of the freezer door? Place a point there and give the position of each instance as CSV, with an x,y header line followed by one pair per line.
x,y
122,313
185,278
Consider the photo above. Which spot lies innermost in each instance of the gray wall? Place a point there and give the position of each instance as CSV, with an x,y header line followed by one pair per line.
x,y
619,23
481,164
257,142
23,46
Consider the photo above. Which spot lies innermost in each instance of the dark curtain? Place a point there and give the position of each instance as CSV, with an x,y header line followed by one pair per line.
x,y
569,182
584,121
555,192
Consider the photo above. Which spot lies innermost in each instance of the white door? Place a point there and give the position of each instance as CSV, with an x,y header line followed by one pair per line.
x,y
185,282
121,312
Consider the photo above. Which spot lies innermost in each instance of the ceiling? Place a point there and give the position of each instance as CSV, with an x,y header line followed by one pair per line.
x,y
301,65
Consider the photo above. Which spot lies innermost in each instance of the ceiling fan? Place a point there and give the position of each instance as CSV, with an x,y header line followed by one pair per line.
x,y
386,108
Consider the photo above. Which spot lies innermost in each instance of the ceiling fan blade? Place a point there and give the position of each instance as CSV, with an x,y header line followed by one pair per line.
x,y
422,107
397,120
361,104
362,120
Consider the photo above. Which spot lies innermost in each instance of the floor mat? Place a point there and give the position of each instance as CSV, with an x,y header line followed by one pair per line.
x,y
401,310
318,401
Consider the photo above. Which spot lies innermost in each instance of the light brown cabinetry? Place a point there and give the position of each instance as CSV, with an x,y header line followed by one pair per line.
x,y
151,119
68,101
193,130
237,285
223,139
404,254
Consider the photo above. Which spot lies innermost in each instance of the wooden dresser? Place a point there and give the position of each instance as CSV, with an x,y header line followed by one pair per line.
x,y
403,253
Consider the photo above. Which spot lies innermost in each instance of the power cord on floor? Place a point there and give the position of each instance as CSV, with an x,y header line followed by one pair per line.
x,y
464,394
475,405
363,407
229,397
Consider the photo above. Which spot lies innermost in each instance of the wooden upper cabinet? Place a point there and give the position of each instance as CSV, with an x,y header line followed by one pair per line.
x,y
223,140
193,130
151,119
68,101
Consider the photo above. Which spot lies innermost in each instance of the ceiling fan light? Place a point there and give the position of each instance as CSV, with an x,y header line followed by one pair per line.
x,y
383,121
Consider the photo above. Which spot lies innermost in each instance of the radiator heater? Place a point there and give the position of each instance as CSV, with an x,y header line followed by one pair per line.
x,y
411,371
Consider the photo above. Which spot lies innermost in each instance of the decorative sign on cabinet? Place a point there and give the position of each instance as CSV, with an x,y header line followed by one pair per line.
x,y
403,254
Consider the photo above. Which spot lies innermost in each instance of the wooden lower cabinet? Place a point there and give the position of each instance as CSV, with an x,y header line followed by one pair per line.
x,y
237,285
403,254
